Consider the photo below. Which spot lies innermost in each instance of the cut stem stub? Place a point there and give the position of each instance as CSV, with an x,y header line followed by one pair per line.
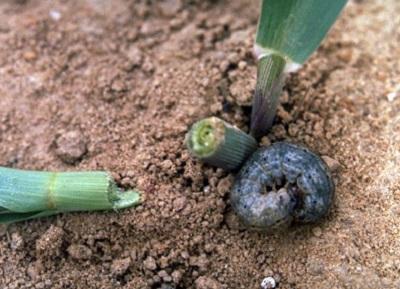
x,y
270,78
220,144
288,32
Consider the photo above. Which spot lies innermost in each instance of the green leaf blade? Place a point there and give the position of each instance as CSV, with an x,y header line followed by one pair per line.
x,y
295,28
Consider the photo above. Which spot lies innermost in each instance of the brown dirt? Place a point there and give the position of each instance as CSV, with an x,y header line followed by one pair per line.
x,y
93,85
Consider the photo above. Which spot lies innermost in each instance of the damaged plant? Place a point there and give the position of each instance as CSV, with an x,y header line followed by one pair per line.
x,y
284,182
220,144
27,195
288,32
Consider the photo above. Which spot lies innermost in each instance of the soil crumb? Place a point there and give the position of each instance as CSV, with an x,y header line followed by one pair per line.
x,y
114,85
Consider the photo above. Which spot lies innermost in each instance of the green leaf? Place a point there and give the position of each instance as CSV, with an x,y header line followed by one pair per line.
x,y
295,28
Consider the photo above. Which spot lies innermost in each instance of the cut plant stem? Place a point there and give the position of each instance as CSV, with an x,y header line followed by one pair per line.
x,y
270,78
31,194
288,32
220,144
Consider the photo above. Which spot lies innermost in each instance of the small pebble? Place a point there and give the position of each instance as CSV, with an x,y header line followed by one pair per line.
x,y
199,261
71,146
179,203
242,65
224,185
17,242
345,55
317,232
150,264
207,283
120,266
394,94
170,7
265,141
164,275
118,86
135,56
333,164
268,283
79,252
55,15
29,55
176,276
151,28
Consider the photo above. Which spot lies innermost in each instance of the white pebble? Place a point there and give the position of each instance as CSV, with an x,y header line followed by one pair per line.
x,y
391,96
268,283
55,15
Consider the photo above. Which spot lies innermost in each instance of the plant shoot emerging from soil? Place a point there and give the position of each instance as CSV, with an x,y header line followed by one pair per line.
x,y
288,32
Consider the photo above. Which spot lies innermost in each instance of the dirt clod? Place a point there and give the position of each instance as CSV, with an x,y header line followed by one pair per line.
x,y
317,231
71,146
49,244
17,242
207,283
233,222
150,264
120,266
170,7
79,252
224,186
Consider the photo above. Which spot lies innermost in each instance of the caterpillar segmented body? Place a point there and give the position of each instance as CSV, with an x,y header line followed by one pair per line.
x,y
281,184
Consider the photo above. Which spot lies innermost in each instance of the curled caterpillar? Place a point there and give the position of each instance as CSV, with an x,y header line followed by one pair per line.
x,y
281,184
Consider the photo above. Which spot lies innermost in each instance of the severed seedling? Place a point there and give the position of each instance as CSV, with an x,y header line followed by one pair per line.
x,y
27,195
288,32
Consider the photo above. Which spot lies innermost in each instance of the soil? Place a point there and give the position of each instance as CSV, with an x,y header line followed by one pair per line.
x,y
114,85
